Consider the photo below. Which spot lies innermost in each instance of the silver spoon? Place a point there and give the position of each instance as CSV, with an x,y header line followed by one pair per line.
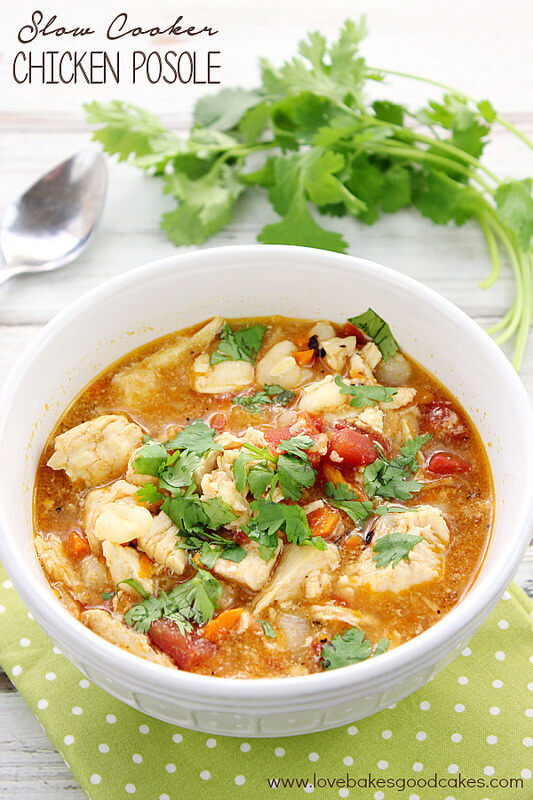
x,y
53,221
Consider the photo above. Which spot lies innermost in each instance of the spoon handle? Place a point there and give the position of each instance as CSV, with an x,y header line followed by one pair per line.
x,y
6,273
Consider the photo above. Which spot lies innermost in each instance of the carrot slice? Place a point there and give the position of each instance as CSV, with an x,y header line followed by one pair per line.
x,y
146,568
304,357
77,545
335,476
323,522
222,624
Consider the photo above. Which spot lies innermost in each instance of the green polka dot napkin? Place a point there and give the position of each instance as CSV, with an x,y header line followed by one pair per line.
x,y
465,736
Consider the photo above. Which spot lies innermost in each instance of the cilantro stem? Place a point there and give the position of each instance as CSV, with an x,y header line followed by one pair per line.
x,y
415,154
437,143
261,453
494,252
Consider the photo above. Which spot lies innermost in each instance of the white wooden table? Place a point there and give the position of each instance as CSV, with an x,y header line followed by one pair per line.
x,y
481,47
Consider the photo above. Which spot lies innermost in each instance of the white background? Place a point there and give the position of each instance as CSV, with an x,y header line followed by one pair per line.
x,y
483,48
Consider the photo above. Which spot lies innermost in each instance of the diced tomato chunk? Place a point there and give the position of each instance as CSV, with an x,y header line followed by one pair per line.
x,y
355,448
311,426
187,650
349,329
447,464
441,420
277,435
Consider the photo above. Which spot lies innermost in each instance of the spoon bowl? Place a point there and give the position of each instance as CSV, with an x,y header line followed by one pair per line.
x,y
53,221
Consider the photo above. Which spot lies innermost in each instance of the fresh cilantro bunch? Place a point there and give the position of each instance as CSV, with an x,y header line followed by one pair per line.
x,y
350,648
194,601
310,136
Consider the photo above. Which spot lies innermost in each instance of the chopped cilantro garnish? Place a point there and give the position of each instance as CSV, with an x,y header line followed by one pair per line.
x,y
198,520
350,648
173,462
393,547
197,437
130,582
344,498
268,395
149,493
260,470
392,478
240,345
195,600
363,396
377,329
272,518
268,629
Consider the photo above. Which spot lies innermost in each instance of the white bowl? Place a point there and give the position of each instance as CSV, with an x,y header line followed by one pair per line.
x,y
167,295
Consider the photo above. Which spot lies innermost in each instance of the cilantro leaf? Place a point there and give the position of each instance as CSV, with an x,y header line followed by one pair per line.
x,y
515,205
179,473
197,437
272,518
224,109
149,493
350,648
298,227
393,547
240,345
344,498
377,329
292,469
150,458
198,520
444,199
296,445
205,205
194,600
294,474
392,478
128,130
363,396
270,394
268,629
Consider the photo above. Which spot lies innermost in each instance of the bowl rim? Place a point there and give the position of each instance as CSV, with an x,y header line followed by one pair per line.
x,y
92,649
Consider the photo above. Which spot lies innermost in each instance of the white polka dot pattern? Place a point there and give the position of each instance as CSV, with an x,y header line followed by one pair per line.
x,y
473,718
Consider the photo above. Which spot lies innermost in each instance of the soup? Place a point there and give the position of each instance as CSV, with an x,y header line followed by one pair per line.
x,y
263,498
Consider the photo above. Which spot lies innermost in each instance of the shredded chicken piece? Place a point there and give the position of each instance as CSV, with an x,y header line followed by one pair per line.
x,y
426,561
226,376
112,513
97,450
160,544
252,572
296,563
279,366
133,385
371,354
116,632
87,582
338,351
124,563
330,612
